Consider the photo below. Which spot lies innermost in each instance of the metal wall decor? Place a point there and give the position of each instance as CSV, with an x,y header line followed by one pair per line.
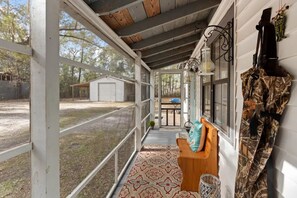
x,y
193,64
225,34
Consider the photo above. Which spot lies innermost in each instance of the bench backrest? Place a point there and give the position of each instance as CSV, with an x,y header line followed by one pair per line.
x,y
210,131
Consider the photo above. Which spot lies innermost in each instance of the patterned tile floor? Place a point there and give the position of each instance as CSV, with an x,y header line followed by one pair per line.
x,y
154,172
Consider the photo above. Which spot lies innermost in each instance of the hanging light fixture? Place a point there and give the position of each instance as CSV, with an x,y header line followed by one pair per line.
x,y
206,66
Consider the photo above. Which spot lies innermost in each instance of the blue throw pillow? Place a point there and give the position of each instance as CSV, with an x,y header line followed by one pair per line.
x,y
195,135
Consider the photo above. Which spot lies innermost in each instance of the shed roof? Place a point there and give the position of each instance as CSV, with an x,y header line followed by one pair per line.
x,y
86,85
159,29
113,77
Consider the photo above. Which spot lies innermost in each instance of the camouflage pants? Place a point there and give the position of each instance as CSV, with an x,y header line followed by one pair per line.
x,y
265,99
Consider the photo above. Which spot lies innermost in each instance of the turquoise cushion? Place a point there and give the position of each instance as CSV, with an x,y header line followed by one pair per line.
x,y
195,135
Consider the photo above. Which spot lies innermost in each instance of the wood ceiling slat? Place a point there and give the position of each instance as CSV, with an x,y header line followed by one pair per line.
x,y
118,19
105,7
132,39
123,17
136,38
127,40
111,21
170,59
170,16
175,34
152,7
170,63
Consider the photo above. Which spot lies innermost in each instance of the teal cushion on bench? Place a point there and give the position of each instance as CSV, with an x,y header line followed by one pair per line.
x,y
195,135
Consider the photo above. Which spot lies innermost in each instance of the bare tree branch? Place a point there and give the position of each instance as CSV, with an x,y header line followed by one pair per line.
x,y
72,29
82,39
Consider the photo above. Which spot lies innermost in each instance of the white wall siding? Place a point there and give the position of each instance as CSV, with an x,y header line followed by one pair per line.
x,y
93,92
227,165
283,164
283,173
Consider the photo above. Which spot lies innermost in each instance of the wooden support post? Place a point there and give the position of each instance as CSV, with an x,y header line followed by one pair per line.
x,y
160,99
45,177
174,117
166,117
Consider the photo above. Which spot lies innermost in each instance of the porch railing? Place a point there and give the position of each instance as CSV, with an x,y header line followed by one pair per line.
x,y
173,107
114,152
8,154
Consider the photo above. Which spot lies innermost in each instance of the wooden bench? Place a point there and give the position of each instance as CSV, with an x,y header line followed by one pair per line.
x,y
194,164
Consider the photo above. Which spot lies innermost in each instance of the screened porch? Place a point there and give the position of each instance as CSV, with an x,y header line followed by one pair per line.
x,y
89,88
56,140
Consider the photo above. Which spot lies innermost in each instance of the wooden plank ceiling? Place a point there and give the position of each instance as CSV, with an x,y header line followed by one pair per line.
x,y
166,30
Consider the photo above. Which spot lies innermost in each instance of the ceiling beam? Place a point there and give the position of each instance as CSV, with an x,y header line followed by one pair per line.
x,y
187,48
170,63
170,35
161,19
169,46
80,10
166,60
104,7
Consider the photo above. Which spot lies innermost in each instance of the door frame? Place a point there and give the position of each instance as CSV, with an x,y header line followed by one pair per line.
x,y
169,71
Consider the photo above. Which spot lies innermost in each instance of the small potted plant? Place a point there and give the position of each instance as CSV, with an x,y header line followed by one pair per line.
x,y
151,124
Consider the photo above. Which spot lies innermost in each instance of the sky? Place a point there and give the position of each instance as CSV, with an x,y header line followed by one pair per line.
x,y
15,2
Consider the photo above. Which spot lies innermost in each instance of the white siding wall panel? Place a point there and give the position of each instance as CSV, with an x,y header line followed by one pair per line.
x,y
252,11
287,139
283,186
287,47
245,62
239,106
227,167
285,163
289,117
238,93
290,65
285,152
245,33
247,45
241,4
291,21
93,92
293,100
285,173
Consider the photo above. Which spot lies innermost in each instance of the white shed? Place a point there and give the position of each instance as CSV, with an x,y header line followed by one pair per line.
x,y
111,89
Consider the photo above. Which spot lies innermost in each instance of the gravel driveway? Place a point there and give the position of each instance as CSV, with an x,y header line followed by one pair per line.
x,y
15,117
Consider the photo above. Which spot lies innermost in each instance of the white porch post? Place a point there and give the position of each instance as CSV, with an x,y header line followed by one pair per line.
x,y
138,101
45,98
182,93
159,99
152,95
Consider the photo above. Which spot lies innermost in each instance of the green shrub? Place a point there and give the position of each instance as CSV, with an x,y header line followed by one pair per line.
x,y
151,123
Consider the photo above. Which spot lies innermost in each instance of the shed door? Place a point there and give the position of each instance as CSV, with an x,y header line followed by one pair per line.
x,y
107,92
